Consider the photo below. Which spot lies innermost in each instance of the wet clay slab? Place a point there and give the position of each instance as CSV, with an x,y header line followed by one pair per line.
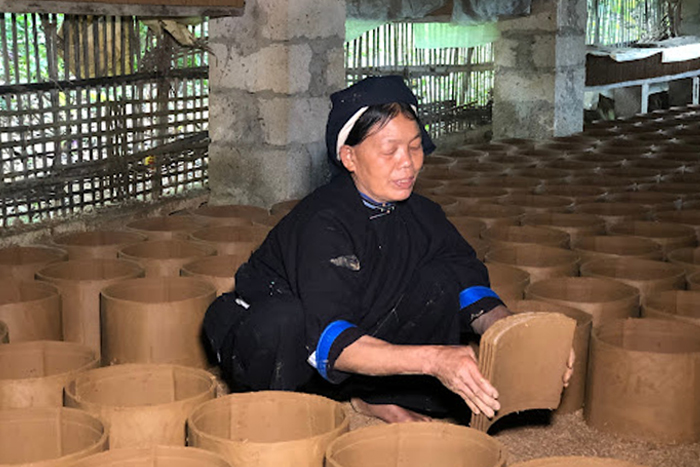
x,y
49,437
268,428
573,395
575,461
156,456
141,405
643,380
415,445
524,357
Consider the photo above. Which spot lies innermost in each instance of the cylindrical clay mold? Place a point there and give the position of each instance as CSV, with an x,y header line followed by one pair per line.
x,y
165,258
103,244
155,320
541,262
416,445
49,437
32,309
233,214
642,380
688,258
23,262
603,299
508,282
268,428
80,283
154,456
166,227
4,333
572,397
33,374
647,276
576,225
513,235
683,305
220,270
668,235
610,246
141,405
232,239
575,461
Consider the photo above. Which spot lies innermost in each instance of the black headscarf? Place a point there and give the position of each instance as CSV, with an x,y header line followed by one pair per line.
x,y
370,91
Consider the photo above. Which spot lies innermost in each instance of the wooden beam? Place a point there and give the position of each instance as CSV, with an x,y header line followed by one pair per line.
x,y
173,8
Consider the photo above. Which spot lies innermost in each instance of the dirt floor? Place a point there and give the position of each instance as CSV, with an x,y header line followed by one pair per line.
x,y
542,435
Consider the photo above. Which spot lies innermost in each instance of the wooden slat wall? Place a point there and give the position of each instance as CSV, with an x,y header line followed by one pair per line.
x,y
96,112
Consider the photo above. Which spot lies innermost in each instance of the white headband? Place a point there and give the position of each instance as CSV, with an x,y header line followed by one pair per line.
x,y
347,128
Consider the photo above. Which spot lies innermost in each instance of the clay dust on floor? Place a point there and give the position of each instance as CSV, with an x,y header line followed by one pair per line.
x,y
568,435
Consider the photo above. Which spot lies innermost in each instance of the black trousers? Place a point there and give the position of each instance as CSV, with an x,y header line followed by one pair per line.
x,y
263,346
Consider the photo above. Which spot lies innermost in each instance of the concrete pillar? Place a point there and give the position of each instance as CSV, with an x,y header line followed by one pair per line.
x,y
271,73
540,68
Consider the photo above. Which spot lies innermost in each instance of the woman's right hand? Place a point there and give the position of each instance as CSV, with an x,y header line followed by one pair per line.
x,y
457,369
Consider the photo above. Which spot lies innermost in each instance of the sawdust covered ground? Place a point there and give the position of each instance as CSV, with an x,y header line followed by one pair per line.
x,y
540,435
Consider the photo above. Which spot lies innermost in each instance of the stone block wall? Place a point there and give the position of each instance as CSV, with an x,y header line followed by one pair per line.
x,y
271,73
540,71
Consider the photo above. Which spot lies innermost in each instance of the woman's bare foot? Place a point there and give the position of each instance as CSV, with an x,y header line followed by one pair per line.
x,y
389,413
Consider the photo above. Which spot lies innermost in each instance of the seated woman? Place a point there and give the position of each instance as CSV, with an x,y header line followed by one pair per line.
x,y
363,283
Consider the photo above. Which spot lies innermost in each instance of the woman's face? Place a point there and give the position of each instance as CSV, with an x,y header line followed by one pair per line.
x,y
385,165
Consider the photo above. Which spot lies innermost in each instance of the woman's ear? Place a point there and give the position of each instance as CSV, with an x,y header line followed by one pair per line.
x,y
347,157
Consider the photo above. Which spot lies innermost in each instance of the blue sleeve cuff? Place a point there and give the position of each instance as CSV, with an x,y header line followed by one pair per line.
x,y
325,342
473,294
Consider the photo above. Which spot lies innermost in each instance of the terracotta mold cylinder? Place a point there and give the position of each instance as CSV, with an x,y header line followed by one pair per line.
x,y
652,201
165,258
601,160
511,183
4,333
687,258
426,185
154,456
575,461
511,161
538,203
613,213
481,247
572,397
513,235
32,309
138,313
80,283
616,246
693,281
609,184
576,194
575,225
603,299
478,169
268,428
219,271
642,380
540,262
648,276
467,152
465,194
33,374
233,214
446,202
544,174
103,244
232,239
416,445
492,214
689,218
23,262
668,235
49,437
683,305
468,227
141,405
283,207
508,282
167,227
